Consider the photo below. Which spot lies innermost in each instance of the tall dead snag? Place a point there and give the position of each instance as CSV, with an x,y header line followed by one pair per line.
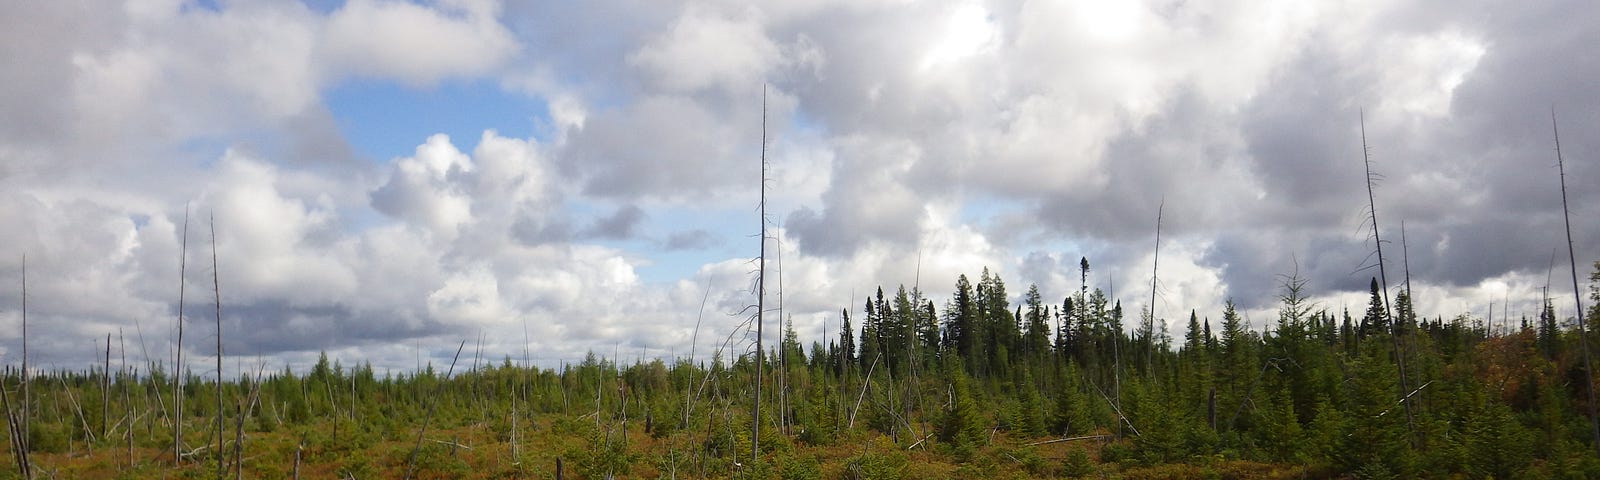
x,y
1377,241
761,291
1405,261
216,288
150,368
127,396
515,459
238,442
1577,301
19,429
177,362
519,387
105,392
783,352
1150,322
26,399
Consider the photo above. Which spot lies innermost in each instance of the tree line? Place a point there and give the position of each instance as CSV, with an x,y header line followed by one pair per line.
x,y
1313,388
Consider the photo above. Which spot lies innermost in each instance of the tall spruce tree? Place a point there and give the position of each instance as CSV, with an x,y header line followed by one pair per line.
x,y
1037,331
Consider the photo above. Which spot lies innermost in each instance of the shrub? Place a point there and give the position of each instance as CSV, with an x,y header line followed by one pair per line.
x,y
47,437
1077,464
889,464
601,456
799,468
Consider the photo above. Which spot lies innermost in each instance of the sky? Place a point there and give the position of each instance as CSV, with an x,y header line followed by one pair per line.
x,y
382,180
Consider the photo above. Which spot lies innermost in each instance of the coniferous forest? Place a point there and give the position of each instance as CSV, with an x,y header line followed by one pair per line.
x,y
974,388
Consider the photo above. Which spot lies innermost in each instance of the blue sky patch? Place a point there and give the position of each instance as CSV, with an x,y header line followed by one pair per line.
x,y
383,120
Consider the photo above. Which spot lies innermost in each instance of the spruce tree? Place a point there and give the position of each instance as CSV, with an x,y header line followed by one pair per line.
x,y
847,341
1037,332
1376,320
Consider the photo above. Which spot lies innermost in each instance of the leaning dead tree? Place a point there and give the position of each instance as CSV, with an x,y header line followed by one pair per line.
x,y
411,462
1577,301
1377,241
1155,263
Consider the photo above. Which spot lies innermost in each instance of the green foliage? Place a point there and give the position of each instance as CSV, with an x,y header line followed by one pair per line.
x,y
1497,445
881,461
1375,444
1028,417
360,466
962,425
433,461
1119,452
1077,464
1071,415
1278,432
1160,441
1029,460
601,456
47,437
799,468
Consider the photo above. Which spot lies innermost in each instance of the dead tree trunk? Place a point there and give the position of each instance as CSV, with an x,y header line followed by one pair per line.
x,y
1394,331
216,289
1583,330
27,400
19,447
127,396
177,363
761,292
105,392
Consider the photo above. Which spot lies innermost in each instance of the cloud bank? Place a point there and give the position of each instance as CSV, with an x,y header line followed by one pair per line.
x,y
908,143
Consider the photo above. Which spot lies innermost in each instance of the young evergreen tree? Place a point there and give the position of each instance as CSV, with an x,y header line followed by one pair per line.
x,y
1376,320
1405,315
871,340
847,341
1238,368
1192,338
1037,333
1029,418
1211,340
962,326
1347,333
891,335
905,336
962,424
1549,335
1071,415
1375,444
994,325
929,327
1066,320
